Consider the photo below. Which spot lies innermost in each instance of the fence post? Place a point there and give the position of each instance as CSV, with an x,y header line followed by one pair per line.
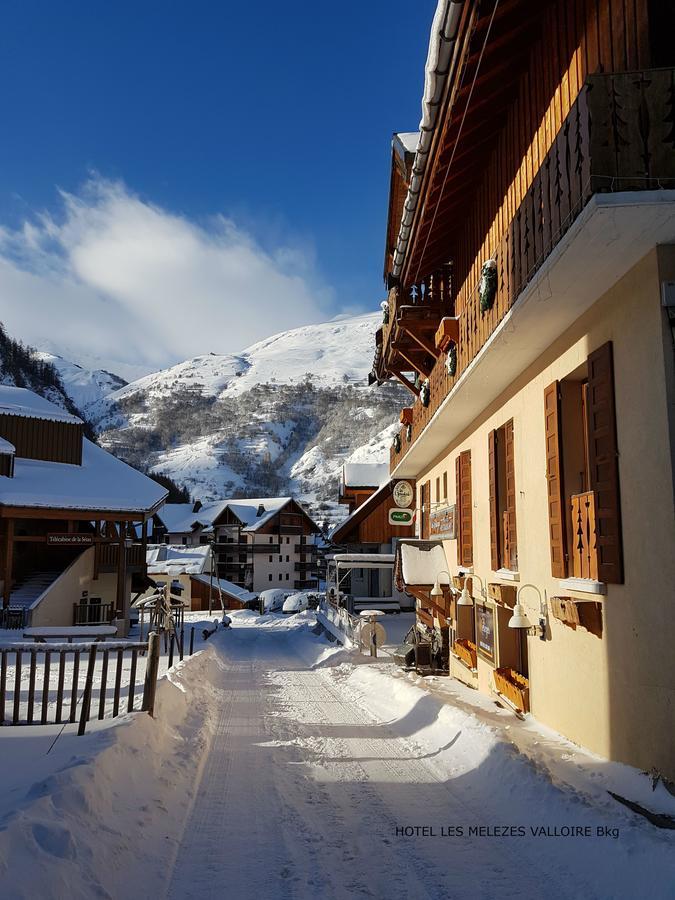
x,y
180,646
86,699
150,686
171,642
192,640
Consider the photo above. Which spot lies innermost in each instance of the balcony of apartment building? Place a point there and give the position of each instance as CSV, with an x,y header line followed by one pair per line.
x,y
605,179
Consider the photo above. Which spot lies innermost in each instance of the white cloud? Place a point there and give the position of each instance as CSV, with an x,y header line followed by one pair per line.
x,y
118,280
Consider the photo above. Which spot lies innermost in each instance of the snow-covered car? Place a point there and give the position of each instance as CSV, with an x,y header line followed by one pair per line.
x,y
298,602
272,600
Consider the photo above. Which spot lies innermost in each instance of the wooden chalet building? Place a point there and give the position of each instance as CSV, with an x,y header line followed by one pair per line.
x,y
368,492
71,515
258,544
530,265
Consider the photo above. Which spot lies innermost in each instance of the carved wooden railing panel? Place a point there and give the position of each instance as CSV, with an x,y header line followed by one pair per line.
x,y
618,136
584,552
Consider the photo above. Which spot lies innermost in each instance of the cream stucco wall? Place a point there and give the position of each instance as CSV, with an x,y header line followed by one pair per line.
x,y
614,694
56,607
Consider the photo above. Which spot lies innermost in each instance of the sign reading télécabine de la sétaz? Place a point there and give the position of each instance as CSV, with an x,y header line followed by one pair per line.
x,y
65,539
443,524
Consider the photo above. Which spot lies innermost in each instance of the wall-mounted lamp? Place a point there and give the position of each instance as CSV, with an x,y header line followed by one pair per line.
x,y
437,590
519,618
465,598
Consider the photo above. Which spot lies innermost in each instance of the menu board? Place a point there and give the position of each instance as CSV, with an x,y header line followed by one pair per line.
x,y
485,632
442,523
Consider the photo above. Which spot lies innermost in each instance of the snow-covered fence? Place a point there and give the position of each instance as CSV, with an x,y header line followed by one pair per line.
x,y
341,624
46,683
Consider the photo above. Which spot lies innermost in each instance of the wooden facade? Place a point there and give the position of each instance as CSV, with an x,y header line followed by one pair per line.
x,y
553,102
45,439
370,522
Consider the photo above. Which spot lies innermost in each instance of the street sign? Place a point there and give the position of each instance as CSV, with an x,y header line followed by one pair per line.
x,y
401,516
403,494
65,539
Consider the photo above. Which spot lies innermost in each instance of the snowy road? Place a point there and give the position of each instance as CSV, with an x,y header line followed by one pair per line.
x,y
305,785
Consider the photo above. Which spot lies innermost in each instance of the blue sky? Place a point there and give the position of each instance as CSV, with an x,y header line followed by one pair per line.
x,y
275,116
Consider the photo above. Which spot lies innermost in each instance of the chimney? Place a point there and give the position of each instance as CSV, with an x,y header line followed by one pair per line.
x,y
197,506
261,511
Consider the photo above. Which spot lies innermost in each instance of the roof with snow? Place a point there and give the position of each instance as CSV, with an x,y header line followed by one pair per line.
x,y
422,562
6,447
102,482
256,512
179,518
227,587
170,560
16,401
364,474
342,531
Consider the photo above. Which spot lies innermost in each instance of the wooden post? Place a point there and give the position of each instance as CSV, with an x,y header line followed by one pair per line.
x,y
121,574
9,552
88,684
150,687
192,640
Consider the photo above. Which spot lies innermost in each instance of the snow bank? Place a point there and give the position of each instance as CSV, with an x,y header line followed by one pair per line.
x,y
69,817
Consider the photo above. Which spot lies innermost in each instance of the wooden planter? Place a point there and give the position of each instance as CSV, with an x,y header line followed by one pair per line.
x,y
466,651
447,333
406,416
503,594
514,686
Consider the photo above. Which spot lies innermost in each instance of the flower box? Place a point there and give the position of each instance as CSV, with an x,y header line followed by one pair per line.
x,y
406,416
447,333
514,686
503,594
466,651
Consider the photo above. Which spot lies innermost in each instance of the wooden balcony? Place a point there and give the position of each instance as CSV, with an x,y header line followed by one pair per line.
x,y
616,138
583,551
107,555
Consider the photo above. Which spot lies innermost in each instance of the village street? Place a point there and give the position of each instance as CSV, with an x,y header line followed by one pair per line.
x,y
309,780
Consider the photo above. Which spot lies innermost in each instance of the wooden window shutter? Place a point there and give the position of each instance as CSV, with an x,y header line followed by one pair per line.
x,y
603,456
465,509
426,501
556,508
494,509
510,480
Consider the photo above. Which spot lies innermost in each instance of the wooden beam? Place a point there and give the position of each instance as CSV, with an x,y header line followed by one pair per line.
x,y
9,559
417,366
121,575
405,382
87,515
425,345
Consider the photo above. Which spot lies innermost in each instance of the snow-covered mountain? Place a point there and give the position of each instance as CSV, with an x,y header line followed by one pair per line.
x,y
280,417
84,386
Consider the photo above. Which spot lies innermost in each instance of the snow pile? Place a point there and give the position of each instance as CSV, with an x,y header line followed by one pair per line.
x,y
90,818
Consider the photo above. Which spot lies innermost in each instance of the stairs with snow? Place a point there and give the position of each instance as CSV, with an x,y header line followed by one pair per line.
x,y
27,591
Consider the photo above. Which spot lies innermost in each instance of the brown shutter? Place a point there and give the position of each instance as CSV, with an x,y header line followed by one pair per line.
x,y
604,464
426,500
494,510
458,510
465,509
556,509
510,481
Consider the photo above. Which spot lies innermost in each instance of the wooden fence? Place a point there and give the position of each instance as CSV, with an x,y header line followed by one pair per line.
x,y
46,683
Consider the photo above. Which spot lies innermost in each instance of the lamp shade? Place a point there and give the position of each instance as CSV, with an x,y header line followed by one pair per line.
x,y
436,590
465,598
519,618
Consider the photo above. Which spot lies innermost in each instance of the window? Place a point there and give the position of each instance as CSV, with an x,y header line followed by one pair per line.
x,y
271,538
582,473
286,576
281,576
184,540
288,558
501,469
270,576
445,485
288,540
281,559
438,489
271,558
464,509
424,504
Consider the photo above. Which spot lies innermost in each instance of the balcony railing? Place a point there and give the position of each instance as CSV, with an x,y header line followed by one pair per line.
x,y
617,137
584,551
107,555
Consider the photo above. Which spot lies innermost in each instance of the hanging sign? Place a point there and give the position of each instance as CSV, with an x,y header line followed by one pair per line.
x,y
401,516
443,523
65,539
403,494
